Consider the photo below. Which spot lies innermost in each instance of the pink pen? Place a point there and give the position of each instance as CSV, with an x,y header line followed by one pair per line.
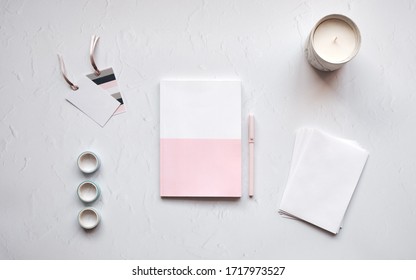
x,y
251,155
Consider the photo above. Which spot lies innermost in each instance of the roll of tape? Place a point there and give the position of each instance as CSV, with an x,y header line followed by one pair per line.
x,y
88,191
88,162
88,218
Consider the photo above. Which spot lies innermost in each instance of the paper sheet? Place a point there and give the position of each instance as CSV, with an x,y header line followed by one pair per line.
x,y
93,101
323,175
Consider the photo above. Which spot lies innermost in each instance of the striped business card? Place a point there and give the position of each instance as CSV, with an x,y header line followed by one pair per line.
x,y
107,81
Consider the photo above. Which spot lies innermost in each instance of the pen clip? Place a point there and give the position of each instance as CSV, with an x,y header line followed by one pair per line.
x,y
251,128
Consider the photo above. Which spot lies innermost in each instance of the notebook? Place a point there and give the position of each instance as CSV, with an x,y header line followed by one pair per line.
x,y
200,139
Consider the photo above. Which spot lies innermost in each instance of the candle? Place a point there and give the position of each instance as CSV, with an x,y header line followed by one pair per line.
x,y
333,41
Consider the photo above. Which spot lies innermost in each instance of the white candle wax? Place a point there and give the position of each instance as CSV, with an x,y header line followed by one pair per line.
x,y
334,40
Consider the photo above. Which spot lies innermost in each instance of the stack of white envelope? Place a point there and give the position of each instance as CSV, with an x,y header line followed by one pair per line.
x,y
324,173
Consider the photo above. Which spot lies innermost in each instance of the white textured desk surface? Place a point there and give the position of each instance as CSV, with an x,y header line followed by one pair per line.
x,y
371,100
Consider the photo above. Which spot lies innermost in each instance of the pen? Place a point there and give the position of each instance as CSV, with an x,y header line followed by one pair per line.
x,y
251,155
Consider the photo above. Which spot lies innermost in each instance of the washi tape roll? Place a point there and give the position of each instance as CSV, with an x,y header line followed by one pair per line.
x,y
88,162
88,191
88,218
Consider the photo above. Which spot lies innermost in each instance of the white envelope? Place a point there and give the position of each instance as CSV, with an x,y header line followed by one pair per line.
x,y
93,101
324,173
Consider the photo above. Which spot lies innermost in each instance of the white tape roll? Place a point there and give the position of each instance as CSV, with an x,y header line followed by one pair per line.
x,y
88,162
88,218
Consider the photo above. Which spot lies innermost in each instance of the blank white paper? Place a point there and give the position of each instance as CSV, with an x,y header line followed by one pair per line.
x,y
324,173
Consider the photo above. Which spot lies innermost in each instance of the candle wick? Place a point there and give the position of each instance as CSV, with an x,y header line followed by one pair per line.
x,y
335,39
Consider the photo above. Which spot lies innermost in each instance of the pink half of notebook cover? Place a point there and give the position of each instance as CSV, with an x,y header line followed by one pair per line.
x,y
200,167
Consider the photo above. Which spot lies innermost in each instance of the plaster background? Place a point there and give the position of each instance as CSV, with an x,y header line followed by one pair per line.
x,y
370,100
